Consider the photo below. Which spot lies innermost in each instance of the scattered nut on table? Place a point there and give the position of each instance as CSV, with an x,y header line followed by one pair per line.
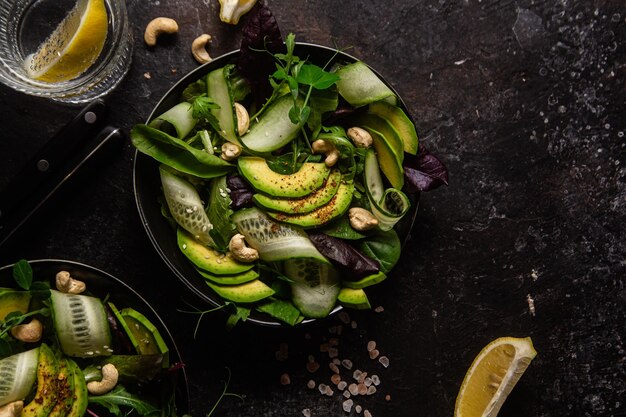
x,y
198,49
158,26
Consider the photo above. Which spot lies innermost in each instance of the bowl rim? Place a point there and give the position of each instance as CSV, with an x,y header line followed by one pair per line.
x,y
182,384
192,76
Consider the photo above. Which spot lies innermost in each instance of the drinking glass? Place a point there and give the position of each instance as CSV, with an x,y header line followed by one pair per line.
x,y
25,24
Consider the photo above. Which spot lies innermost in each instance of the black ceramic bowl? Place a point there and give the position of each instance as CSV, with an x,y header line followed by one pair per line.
x,y
148,184
102,284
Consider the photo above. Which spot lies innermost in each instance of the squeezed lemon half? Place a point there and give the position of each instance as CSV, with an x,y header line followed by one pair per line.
x,y
74,45
492,376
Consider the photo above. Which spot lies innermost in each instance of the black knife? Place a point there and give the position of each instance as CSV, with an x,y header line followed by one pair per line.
x,y
55,183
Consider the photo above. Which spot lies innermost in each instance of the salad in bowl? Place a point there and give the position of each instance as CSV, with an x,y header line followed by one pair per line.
x,y
75,341
287,175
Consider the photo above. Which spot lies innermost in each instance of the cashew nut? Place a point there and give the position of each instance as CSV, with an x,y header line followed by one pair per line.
x,y
13,409
28,333
328,149
158,26
361,219
65,283
360,137
240,251
230,151
198,49
108,381
243,119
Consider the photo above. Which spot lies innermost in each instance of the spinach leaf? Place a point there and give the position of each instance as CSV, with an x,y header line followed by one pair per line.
x,y
282,310
120,397
342,229
177,154
384,247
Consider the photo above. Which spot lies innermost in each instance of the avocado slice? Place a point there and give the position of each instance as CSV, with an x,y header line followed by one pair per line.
x,y
304,204
47,390
354,298
365,281
336,207
387,159
209,259
309,178
386,130
65,390
400,121
145,336
235,279
13,300
249,292
79,404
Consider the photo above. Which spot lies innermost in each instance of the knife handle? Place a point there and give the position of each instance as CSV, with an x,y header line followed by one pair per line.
x,y
52,156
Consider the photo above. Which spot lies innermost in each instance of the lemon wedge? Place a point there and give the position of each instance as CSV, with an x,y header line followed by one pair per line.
x,y
73,46
492,376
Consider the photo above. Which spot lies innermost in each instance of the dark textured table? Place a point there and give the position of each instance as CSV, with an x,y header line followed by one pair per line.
x,y
524,102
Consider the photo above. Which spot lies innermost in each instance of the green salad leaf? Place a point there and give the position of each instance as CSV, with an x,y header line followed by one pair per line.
x,y
119,396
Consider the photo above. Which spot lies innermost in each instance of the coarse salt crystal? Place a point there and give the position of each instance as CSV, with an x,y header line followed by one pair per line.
x,y
354,389
371,390
366,413
374,354
347,405
306,412
333,368
347,363
384,361
375,380
310,384
371,345
335,379
342,385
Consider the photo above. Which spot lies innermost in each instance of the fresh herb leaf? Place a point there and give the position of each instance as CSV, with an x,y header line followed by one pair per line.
x,y
202,108
240,314
40,289
120,397
193,91
224,393
23,274
310,74
201,313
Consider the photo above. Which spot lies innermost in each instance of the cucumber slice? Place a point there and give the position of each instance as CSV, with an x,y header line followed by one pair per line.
x,y
390,205
17,376
359,85
315,286
219,90
81,325
274,129
181,117
185,205
145,336
275,241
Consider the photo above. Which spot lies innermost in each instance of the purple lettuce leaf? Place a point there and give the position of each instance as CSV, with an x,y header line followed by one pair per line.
x,y
240,192
351,262
260,34
424,171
